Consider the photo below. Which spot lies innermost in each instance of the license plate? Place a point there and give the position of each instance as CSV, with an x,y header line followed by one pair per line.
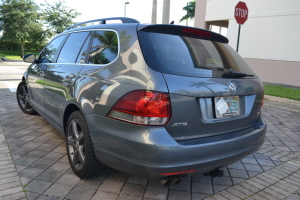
x,y
227,106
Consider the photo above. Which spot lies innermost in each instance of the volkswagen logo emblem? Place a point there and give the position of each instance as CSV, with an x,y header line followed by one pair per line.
x,y
232,87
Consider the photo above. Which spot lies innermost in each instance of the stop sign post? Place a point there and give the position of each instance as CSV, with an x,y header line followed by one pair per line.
x,y
241,15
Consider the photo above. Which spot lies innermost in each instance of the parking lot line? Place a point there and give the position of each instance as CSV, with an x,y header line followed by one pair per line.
x,y
11,86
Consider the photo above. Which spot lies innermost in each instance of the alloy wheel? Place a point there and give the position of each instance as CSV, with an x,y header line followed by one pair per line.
x,y
75,142
23,98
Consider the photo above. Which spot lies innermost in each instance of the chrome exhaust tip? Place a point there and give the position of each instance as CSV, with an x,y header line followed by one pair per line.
x,y
176,181
165,181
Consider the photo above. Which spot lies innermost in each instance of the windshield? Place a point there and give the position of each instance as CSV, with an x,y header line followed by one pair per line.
x,y
187,56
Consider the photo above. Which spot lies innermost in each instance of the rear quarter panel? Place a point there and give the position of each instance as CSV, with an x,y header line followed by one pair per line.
x,y
99,87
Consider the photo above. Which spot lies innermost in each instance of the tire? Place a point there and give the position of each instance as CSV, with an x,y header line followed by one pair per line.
x,y
80,149
23,99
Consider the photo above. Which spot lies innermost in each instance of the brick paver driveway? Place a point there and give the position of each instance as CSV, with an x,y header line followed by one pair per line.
x,y
34,165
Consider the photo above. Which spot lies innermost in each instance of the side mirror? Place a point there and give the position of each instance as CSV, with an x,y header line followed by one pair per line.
x,y
29,58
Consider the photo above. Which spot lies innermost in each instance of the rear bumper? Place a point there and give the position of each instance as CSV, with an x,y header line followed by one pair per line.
x,y
149,151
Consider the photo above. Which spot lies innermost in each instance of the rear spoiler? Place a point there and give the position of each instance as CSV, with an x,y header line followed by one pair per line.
x,y
185,31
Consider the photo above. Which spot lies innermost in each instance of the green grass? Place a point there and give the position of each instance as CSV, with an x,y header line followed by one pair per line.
x,y
15,55
283,92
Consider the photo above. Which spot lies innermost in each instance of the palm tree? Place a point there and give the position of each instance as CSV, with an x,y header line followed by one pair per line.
x,y
190,11
107,41
166,12
154,11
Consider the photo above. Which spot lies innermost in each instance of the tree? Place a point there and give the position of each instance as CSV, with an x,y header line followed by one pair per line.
x,y
190,11
107,41
58,16
154,11
20,22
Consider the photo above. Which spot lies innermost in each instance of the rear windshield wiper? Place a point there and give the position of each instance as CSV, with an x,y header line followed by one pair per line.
x,y
232,73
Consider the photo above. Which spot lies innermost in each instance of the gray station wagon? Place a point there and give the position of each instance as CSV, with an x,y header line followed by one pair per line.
x,y
159,101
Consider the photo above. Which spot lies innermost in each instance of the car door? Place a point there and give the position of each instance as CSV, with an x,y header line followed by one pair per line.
x,y
61,76
37,72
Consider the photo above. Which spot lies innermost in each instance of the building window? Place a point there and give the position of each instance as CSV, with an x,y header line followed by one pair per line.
x,y
218,29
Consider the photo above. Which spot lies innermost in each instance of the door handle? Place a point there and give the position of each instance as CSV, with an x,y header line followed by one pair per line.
x,y
68,79
40,72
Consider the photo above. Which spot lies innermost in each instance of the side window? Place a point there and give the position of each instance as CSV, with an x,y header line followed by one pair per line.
x,y
48,54
71,48
83,52
104,47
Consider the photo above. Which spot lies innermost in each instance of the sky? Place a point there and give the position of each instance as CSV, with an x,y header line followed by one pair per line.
x,y
137,9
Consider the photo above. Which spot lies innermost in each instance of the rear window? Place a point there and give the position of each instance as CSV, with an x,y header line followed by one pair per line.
x,y
187,56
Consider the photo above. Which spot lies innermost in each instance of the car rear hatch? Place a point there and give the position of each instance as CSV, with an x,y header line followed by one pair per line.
x,y
212,89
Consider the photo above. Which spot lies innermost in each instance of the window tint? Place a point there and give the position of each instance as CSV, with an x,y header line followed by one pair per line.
x,y
187,56
104,47
48,54
82,54
71,48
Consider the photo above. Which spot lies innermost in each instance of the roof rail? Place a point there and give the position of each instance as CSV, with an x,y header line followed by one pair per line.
x,y
103,21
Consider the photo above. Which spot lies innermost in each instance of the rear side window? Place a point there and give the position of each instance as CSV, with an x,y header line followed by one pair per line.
x,y
104,48
71,48
187,56
48,53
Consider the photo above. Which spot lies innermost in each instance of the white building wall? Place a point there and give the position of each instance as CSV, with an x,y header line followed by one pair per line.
x,y
272,30
272,34
270,38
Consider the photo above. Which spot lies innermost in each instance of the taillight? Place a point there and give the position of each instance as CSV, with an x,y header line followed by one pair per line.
x,y
189,32
143,107
195,31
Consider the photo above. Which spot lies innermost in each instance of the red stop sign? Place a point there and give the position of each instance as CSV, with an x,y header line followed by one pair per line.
x,y
241,12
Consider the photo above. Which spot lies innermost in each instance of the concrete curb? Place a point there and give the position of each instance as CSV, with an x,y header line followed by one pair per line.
x,y
13,63
7,60
283,100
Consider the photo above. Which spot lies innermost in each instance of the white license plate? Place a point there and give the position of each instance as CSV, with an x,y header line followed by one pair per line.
x,y
231,109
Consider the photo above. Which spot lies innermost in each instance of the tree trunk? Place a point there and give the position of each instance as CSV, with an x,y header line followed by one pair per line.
x,y
154,12
22,49
101,48
187,13
166,12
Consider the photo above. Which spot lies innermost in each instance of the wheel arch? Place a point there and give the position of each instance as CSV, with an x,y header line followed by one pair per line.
x,y
68,111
